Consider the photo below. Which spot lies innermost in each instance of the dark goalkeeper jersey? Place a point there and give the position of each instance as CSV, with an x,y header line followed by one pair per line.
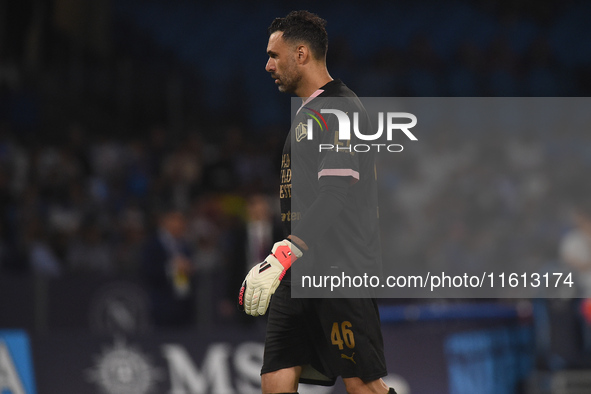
x,y
351,243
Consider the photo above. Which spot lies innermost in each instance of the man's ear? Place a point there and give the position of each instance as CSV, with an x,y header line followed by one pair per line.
x,y
302,54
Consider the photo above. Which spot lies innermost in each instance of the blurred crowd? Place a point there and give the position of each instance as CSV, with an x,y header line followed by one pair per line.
x,y
482,200
103,194
93,205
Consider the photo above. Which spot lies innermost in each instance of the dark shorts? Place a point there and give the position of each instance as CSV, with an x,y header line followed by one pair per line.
x,y
328,337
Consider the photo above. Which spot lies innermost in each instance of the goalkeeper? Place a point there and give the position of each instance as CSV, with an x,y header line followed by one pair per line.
x,y
331,217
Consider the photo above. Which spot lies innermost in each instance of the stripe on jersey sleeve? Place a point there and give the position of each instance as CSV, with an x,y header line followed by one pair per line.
x,y
339,172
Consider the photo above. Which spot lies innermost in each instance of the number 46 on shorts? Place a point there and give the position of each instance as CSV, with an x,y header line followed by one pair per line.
x,y
342,334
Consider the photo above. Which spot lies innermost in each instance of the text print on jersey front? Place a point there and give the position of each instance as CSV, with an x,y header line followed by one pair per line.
x,y
285,186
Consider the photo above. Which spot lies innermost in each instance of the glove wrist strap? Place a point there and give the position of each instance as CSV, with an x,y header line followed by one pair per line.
x,y
285,256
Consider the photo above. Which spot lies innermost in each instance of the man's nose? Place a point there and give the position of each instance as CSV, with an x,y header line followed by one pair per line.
x,y
270,66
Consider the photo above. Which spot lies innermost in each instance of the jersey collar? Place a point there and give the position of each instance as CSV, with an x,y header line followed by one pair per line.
x,y
312,96
318,92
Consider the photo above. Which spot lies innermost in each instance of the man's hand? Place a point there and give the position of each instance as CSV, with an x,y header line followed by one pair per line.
x,y
263,279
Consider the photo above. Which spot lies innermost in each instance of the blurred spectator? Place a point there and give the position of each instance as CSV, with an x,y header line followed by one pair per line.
x,y
42,258
575,249
128,246
10,261
261,231
182,171
255,237
167,271
562,329
206,233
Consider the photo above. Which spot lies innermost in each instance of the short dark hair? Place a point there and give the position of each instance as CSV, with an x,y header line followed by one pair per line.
x,y
303,26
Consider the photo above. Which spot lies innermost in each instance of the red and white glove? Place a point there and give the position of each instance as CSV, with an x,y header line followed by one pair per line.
x,y
263,279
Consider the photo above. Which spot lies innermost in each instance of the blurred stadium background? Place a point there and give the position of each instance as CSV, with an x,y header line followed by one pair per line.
x,y
121,120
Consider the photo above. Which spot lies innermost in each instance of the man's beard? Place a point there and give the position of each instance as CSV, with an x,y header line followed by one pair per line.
x,y
290,80
290,85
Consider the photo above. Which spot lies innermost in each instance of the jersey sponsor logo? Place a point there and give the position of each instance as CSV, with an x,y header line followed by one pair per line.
x,y
291,216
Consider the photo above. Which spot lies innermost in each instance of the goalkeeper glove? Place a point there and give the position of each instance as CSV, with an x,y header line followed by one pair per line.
x,y
263,279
